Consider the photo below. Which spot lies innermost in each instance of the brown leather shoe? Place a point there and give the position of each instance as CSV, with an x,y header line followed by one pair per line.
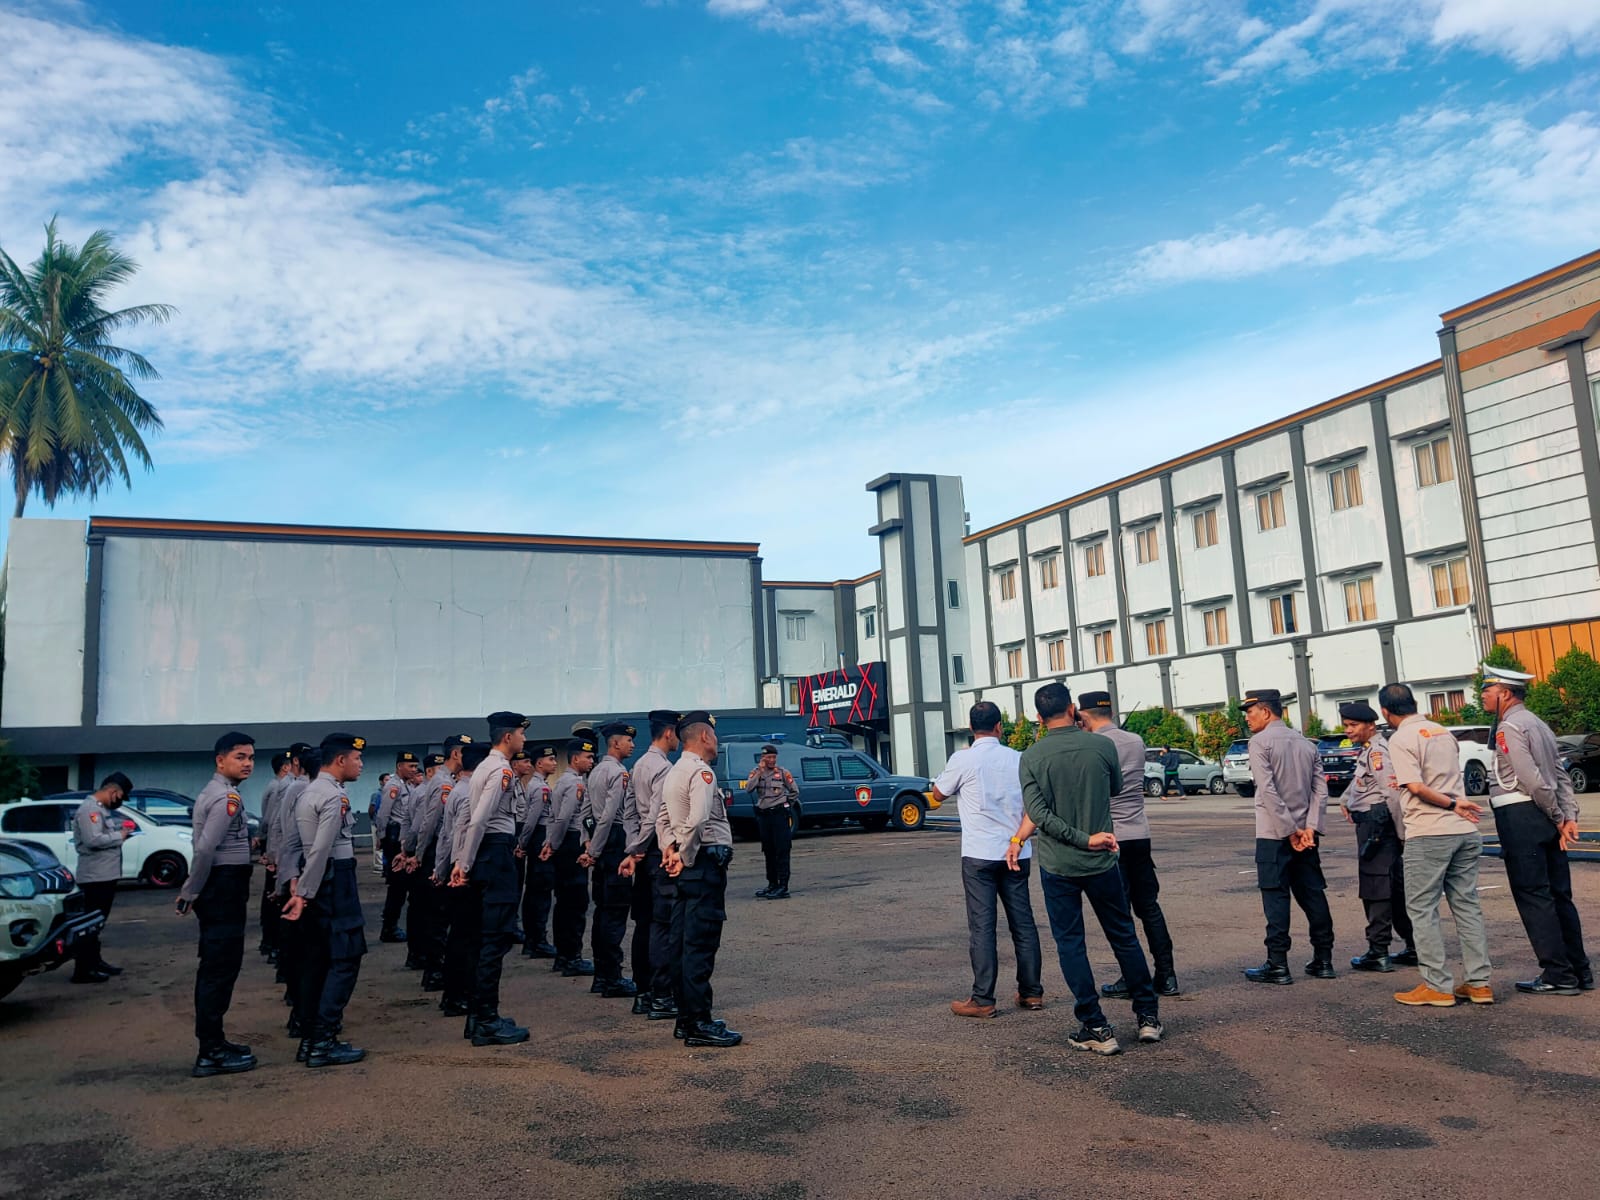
x,y
971,1008
1478,994
1030,1003
1422,994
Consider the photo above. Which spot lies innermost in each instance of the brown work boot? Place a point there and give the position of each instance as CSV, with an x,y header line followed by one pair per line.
x,y
971,1008
1478,994
1423,994
1030,1003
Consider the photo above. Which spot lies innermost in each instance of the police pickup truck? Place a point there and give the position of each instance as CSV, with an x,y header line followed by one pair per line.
x,y
836,782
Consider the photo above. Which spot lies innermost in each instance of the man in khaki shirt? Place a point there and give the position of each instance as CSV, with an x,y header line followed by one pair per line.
x,y
1443,847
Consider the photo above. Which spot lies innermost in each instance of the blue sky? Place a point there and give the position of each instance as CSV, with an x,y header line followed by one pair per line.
x,y
690,269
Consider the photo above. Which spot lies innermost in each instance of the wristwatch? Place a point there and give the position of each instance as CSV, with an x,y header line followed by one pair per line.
x,y
1016,841
1452,807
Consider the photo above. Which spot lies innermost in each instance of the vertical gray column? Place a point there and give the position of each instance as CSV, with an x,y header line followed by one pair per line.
x,y
93,597
1477,560
1302,679
1389,496
771,597
913,647
1113,503
1230,673
1069,580
1030,651
988,612
1241,586
1588,444
1302,507
1391,666
1166,683
758,623
1169,522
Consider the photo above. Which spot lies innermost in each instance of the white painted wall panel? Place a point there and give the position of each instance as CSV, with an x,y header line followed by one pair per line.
x,y
1525,383
1139,501
933,725
1553,491
1199,682
45,568
1343,661
819,651
1138,687
928,583
1441,649
891,589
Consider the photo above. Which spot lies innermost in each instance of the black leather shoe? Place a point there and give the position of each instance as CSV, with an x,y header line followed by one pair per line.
x,y
765,892
641,1004
599,985
781,892
1117,990
711,1033
620,989
680,1030
330,1052
236,1047
295,1029
1372,961
90,977
433,981
1320,968
106,968
304,1052
1586,981
1166,983
392,935
470,1028
540,950
1269,972
452,1008
576,967
1406,958
1538,987
413,963
219,1060
498,1031
559,964
663,1008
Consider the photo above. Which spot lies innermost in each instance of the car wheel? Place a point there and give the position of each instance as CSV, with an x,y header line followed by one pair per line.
x,y
1247,790
1216,786
1152,787
908,811
1477,779
9,978
876,823
1580,779
165,870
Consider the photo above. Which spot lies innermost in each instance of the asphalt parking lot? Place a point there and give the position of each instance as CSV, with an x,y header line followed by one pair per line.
x,y
854,1080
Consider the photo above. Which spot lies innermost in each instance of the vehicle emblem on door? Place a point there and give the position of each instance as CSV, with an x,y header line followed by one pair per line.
x,y
863,795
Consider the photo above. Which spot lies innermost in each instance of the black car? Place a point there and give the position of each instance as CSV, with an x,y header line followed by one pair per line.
x,y
1338,754
162,806
1580,758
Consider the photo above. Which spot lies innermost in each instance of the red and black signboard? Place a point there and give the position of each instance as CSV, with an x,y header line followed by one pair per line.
x,y
852,696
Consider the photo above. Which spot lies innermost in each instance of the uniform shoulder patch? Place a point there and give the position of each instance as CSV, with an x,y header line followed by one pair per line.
x,y
94,816
625,777
444,793
707,777
1500,741
505,779
344,805
394,792
1377,760
233,805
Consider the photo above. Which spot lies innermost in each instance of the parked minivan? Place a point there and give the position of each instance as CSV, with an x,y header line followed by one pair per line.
x,y
836,782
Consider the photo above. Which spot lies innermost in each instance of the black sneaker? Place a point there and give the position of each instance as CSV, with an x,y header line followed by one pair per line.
x,y
1166,983
330,1052
1100,1040
1539,987
781,892
499,1031
1320,968
620,989
577,966
1586,981
1116,991
219,1060
1406,958
765,892
1150,1029
715,1034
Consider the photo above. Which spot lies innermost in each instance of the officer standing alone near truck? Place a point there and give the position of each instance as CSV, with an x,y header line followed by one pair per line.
x,y
98,834
773,791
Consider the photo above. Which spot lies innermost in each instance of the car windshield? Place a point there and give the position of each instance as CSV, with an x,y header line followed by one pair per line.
x,y
1239,747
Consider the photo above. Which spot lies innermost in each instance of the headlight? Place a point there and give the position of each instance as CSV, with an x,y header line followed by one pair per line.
x,y
19,887
186,833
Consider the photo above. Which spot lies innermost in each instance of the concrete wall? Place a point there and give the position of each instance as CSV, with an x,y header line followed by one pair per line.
x,y
44,610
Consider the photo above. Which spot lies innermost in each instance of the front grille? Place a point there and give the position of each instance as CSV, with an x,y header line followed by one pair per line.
x,y
75,903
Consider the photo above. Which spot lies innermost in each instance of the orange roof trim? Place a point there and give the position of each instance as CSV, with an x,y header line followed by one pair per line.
x,y
820,583
1316,410
346,533
1532,283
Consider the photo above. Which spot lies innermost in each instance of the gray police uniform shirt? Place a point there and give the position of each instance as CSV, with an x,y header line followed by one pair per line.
x,y
456,809
1291,791
648,774
771,789
396,803
283,841
1527,759
1373,783
538,814
565,800
326,825
423,814
608,795
519,793
492,808
221,834
1129,821
693,807
269,805
97,833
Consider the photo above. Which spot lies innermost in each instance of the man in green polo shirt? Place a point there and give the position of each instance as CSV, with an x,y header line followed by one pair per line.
x,y
1068,779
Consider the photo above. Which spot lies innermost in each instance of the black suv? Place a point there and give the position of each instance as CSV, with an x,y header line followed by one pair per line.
x,y
836,784
1338,754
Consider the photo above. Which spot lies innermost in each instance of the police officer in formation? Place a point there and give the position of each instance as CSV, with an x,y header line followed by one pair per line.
x,y
98,833
1291,797
653,889
388,830
419,845
607,795
540,882
562,849
1375,806
772,789
217,891
461,910
1131,827
269,890
1536,816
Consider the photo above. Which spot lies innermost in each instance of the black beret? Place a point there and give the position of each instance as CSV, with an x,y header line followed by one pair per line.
x,y
1095,701
520,756
542,750
664,716
698,717
507,720
456,739
231,739
585,729
770,748
1267,695
335,744
618,729
474,754
1357,710
299,748
579,745
433,760
405,756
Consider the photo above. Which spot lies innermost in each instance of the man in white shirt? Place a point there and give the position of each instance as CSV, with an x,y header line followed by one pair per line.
x,y
983,779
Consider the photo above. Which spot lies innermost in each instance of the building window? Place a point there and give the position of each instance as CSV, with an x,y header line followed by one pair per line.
x,y
1283,613
1216,620
1345,484
1155,637
1102,647
869,624
958,668
1058,654
1450,583
1094,560
1008,584
1438,702
1014,663
794,695
1434,463
954,593
1269,509
1049,573
1205,529
794,629
1147,546
1360,600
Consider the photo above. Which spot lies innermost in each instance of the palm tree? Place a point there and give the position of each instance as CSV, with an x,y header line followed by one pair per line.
x,y
69,417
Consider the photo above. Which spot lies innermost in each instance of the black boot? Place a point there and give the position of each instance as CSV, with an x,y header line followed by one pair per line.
x,y
1406,958
330,1052
767,891
1166,981
304,1052
1372,960
619,989
1269,972
452,1007
641,1004
1116,991
219,1060
392,935
539,950
433,981
577,966
1321,967
710,1033
663,1008
781,892
498,1031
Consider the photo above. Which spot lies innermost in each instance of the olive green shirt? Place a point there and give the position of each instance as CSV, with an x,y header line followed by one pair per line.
x,y
1068,779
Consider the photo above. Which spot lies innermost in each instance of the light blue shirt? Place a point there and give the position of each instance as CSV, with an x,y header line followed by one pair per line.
x,y
983,781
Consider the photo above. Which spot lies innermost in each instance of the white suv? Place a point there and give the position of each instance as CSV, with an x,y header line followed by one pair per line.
x,y
1477,757
152,853
1236,767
